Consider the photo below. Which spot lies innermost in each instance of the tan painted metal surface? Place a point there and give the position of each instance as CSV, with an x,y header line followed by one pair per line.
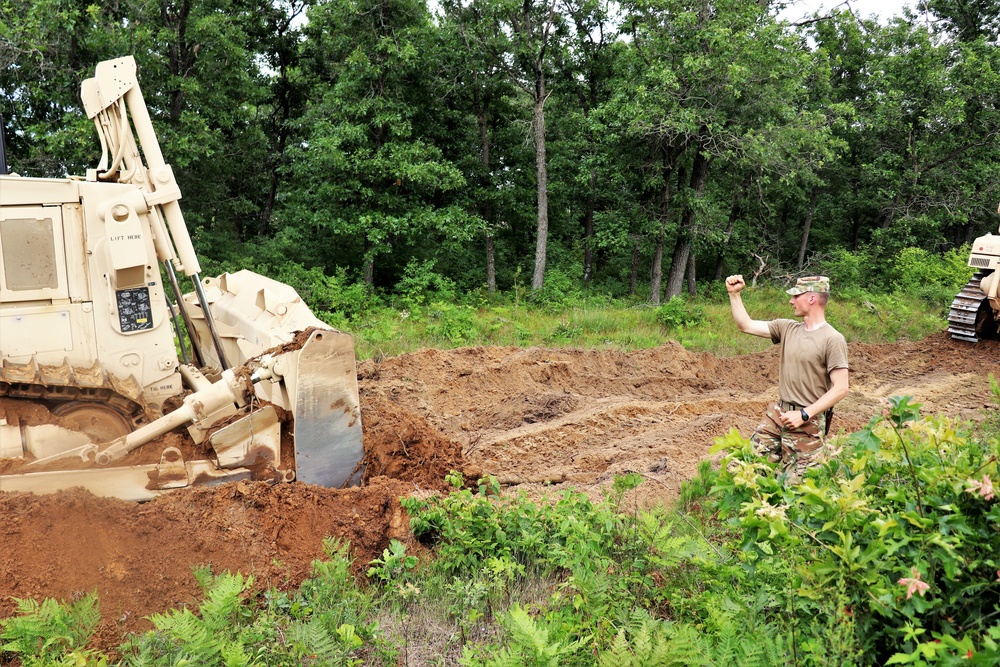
x,y
88,319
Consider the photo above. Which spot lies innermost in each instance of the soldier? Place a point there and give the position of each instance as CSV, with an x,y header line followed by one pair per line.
x,y
812,374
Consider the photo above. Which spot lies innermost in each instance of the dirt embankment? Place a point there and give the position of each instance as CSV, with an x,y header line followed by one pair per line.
x,y
533,417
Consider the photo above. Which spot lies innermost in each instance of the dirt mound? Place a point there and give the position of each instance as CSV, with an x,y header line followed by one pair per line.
x,y
138,558
543,419
402,445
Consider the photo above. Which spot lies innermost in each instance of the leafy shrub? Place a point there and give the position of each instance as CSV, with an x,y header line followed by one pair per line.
x,y
678,312
934,278
332,299
903,520
558,289
848,270
468,527
394,565
421,284
455,324
915,266
714,291
564,333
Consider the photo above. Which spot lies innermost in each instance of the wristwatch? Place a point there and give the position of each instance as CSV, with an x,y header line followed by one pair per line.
x,y
805,415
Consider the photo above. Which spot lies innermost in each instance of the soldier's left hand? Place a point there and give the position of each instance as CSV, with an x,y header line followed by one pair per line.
x,y
792,419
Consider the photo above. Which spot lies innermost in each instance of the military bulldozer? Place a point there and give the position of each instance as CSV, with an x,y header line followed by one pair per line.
x,y
975,312
96,331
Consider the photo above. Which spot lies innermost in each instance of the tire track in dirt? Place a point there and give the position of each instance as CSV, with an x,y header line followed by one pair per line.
x,y
561,418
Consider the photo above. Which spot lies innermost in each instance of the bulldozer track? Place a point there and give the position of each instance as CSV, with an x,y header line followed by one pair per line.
x,y
63,384
962,318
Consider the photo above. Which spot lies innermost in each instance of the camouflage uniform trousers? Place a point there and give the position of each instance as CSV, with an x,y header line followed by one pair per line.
x,y
793,449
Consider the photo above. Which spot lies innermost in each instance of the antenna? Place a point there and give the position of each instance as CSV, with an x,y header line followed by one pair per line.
x,y
3,151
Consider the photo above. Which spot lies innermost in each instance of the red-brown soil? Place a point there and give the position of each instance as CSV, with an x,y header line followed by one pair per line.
x,y
532,417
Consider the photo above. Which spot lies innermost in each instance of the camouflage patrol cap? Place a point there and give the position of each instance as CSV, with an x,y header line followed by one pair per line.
x,y
811,284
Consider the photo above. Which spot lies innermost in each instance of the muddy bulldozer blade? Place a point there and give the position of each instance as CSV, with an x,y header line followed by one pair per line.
x,y
329,444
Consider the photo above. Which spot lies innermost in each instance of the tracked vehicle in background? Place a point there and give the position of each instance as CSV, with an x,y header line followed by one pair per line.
x,y
975,312
89,331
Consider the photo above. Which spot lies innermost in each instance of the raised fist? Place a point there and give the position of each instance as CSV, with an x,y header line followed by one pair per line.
x,y
735,284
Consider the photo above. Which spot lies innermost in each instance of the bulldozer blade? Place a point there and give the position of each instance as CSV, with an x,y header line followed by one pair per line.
x,y
329,445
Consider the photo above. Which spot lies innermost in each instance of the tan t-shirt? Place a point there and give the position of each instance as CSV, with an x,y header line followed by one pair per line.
x,y
806,359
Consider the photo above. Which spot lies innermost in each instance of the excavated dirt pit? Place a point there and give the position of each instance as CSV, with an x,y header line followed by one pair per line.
x,y
538,419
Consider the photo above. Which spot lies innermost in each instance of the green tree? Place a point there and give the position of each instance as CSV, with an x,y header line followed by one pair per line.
x,y
586,75
275,28
365,178
47,49
489,149
921,167
199,77
522,39
705,78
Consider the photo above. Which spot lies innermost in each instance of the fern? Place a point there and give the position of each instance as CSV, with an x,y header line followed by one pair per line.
x,y
315,642
209,639
728,648
531,645
233,654
313,638
642,645
190,638
47,630
723,641
689,647
224,599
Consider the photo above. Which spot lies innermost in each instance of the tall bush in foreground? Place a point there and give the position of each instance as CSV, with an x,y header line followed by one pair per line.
x,y
902,522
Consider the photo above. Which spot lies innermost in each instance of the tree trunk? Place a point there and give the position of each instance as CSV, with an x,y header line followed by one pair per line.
x,y
538,279
691,280
482,118
656,275
678,264
970,234
369,267
805,229
491,266
588,230
180,53
685,235
634,275
670,155
486,209
735,212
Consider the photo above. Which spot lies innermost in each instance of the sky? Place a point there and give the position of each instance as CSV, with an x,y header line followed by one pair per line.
x,y
885,9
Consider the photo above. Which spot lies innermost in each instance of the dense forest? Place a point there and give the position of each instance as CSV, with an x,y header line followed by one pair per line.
x,y
639,148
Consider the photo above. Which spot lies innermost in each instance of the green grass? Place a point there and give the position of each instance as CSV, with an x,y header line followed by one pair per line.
x,y
862,318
